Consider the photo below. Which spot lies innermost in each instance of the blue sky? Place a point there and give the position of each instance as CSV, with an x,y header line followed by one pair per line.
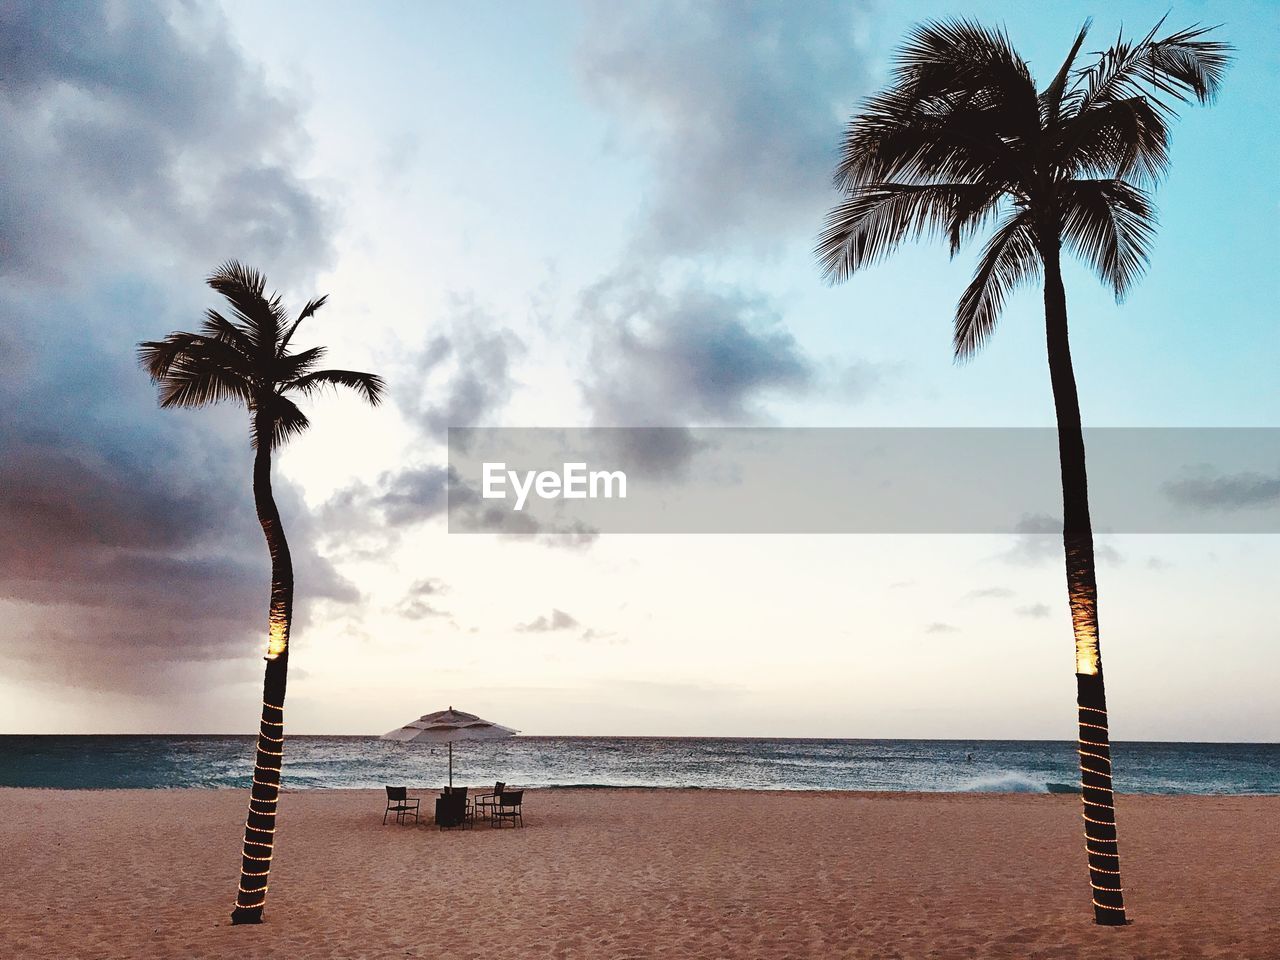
x,y
506,135
492,196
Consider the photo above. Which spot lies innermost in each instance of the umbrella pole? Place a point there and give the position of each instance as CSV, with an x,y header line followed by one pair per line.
x,y
450,764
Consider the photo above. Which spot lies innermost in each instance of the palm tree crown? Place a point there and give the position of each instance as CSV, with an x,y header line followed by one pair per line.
x,y
961,137
247,359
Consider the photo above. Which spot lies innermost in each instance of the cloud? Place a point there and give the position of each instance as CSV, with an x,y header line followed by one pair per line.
x,y
591,635
738,109
132,548
140,150
141,125
417,606
989,593
456,379
939,627
696,355
856,380
559,620
368,518
679,359
462,378
399,498
1238,491
1039,540
1035,611
654,451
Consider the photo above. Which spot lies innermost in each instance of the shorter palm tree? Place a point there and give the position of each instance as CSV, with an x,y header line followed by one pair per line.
x,y
247,360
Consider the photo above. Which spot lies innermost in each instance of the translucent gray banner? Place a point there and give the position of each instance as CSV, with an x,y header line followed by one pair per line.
x,y
581,482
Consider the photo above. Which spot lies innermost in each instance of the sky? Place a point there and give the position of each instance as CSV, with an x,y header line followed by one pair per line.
x,y
562,215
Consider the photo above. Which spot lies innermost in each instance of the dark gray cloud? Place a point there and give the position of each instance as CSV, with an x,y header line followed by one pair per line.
x,y
140,126
399,498
655,451
697,356
1238,491
459,378
738,108
655,359
377,512
130,539
462,378
1039,540
140,150
692,357
558,620
939,627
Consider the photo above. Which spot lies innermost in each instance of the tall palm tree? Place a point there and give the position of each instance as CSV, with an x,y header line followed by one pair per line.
x,y
962,138
247,360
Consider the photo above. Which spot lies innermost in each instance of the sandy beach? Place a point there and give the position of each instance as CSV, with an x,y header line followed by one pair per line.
x,y
638,873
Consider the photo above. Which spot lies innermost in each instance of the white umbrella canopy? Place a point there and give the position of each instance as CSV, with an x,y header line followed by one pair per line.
x,y
447,726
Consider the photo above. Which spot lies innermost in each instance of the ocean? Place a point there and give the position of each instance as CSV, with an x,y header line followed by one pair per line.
x,y
1022,766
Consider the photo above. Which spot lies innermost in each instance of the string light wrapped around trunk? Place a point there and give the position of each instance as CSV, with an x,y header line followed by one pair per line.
x,y
1093,748
1101,843
260,825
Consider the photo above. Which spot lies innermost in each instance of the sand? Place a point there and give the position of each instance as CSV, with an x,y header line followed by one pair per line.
x,y
637,873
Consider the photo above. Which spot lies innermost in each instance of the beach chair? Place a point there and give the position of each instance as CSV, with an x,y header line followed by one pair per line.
x,y
485,802
453,809
507,809
401,804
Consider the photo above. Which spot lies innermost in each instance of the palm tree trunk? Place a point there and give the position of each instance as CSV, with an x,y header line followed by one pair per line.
x,y
1082,592
260,826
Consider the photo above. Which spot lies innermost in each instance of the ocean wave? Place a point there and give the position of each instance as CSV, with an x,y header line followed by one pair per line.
x,y
1035,767
1005,781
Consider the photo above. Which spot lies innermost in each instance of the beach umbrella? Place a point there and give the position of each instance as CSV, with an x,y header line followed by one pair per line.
x,y
447,726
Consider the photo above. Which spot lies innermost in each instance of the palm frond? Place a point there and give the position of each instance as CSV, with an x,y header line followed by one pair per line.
x,y
1178,68
946,58
1122,138
286,421
1109,223
191,384
246,359
157,356
1009,258
308,311
231,278
273,330
369,385
1052,97
161,357
259,319
293,366
972,207
193,370
961,108
868,225
218,327
961,128
312,307
900,139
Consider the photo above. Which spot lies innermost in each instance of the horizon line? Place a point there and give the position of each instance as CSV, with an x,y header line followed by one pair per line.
x,y
659,736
